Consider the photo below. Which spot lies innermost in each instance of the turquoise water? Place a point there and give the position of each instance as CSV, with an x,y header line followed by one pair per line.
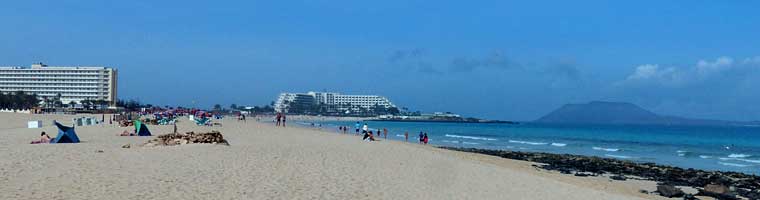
x,y
711,148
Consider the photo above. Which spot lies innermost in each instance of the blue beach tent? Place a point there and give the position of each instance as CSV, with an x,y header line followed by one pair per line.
x,y
141,129
65,135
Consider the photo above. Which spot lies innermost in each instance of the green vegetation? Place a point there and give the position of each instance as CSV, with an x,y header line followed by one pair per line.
x,y
18,100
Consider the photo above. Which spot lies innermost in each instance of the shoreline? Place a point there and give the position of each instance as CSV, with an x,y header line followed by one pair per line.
x,y
267,162
746,185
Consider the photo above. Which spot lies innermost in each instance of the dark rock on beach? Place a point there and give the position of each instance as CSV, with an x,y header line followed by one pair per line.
x,y
618,178
669,191
689,197
745,185
718,191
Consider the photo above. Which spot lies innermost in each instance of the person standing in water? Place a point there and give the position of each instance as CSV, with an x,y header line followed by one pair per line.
x,y
406,136
385,133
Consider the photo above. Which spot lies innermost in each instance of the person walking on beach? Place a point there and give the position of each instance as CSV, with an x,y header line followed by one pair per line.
x,y
421,137
279,117
406,136
385,133
357,126
425,140
283,119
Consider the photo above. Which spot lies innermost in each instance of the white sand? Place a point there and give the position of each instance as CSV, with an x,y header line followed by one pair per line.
x,y
264,162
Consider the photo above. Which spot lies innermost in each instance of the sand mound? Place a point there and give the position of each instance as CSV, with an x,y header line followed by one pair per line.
x,y
172,139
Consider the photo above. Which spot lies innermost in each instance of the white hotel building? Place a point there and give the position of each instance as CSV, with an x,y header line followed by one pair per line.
x,y
72,83
334,102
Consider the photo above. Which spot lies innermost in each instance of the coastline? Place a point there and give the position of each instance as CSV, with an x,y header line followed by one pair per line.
x,y
266,162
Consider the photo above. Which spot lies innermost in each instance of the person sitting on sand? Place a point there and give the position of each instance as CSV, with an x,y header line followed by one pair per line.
x,y
44,138
368,136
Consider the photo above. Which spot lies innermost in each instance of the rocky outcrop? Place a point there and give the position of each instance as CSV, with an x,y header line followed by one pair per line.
x,y
744,185
213,137
669,191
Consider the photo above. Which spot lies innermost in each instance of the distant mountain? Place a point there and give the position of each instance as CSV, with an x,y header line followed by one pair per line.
x,y
600,112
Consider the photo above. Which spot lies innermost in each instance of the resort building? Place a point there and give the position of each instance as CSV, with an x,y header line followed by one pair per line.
x,y
71,83
329,102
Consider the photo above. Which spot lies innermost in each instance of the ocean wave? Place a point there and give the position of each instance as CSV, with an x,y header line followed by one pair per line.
x,y
617,156
450,141
738,155
399,135
733,164
604,149
559,144
742,159
705,157
470,137
527,142
472,143
749,161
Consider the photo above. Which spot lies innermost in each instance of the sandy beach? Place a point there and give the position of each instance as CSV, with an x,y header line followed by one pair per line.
x,y
267,162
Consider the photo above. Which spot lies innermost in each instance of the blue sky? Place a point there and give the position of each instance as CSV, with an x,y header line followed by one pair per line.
x,y
511,60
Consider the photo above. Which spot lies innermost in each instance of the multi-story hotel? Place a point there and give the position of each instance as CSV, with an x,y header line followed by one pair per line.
x,y
71,83
332,102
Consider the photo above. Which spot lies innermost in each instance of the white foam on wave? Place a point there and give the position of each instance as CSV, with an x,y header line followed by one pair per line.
x,y
559,144
733,164
399,135
749,161
742,159
604,149
738,155
473,143
617,156
527,142
470,137
705,157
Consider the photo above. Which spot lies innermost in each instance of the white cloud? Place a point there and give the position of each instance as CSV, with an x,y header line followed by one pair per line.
x,y
706,68
754,61
702,71
669,76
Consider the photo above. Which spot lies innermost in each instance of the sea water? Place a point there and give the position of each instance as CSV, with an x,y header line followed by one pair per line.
x,y
727,148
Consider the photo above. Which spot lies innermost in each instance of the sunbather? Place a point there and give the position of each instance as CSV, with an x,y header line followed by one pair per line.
x,y
127,133
44,138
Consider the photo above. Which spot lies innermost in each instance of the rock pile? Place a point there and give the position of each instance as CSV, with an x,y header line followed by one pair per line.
x,y
713,182
171,139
